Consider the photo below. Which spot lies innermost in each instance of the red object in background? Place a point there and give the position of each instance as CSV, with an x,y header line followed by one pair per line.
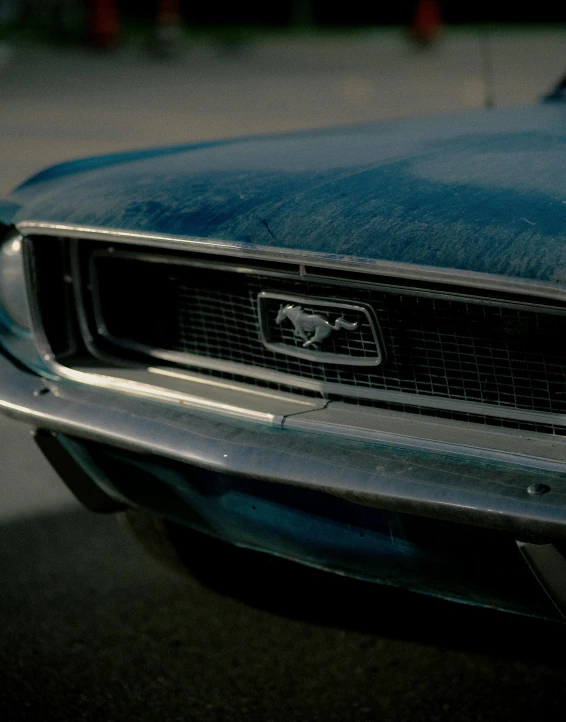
x,y
104,25
427,21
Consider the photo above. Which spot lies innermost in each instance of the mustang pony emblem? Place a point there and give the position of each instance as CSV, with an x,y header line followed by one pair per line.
x,y
311,323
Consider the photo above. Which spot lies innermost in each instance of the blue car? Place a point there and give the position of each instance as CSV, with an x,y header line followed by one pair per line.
x,y
343,347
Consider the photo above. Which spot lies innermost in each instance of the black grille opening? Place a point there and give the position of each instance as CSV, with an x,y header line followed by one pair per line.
x,y
118,306
54,296
452,348
135,302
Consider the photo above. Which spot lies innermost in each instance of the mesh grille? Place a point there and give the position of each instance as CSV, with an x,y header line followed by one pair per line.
x,y
448,348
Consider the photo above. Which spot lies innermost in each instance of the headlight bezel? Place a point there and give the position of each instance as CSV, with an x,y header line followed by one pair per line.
x,y
14,302
16,318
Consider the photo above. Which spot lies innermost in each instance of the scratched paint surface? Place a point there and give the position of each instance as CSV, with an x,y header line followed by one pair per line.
x,y
438,558
484,191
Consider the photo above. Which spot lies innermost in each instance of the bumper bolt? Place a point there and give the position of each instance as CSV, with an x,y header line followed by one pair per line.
x,y
537,489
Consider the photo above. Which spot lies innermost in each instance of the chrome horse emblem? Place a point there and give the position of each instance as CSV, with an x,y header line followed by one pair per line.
x,y
362,347
310,327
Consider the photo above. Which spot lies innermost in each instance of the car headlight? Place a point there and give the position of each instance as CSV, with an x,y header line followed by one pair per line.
x,y
14,304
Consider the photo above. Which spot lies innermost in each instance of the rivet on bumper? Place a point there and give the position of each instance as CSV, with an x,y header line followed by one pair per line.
x,y
538,489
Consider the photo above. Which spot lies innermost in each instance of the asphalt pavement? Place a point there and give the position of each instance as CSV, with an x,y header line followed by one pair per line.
x,y
90,629
94,631
62,103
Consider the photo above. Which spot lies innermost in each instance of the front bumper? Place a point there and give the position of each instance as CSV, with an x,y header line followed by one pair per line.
x,y
452,482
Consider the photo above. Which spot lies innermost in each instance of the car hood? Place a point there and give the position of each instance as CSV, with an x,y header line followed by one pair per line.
x,y
484,191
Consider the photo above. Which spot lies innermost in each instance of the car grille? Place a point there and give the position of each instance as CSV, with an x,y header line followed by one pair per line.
x,y
501,354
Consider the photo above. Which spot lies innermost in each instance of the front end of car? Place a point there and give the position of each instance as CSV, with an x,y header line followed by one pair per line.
x,y
313,346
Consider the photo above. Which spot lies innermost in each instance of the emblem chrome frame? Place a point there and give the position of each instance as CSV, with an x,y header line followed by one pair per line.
x,y
312,354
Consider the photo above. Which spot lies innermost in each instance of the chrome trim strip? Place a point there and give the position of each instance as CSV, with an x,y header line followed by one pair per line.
x,y
21,343
293,270
471,279
426,435
328,389
220,384
158,392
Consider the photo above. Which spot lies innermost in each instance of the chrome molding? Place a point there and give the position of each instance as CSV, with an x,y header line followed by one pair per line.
x,y
292,268
326,389
430,434
20,342
159,393
472,280
323,388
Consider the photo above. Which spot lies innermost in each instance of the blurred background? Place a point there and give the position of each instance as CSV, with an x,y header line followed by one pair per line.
x,y
90,630
82,77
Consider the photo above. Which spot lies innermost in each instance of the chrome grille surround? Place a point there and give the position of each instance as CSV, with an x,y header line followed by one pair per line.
x,y
502,356
452,372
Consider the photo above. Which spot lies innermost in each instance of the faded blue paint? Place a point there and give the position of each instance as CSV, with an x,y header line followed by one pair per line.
x,y
8,211
484,191
73,167
438,558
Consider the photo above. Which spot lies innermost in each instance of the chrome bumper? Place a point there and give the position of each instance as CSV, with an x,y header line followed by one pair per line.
x,y
403,473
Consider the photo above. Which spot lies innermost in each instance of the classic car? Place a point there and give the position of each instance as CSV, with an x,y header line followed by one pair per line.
x,y
344,347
